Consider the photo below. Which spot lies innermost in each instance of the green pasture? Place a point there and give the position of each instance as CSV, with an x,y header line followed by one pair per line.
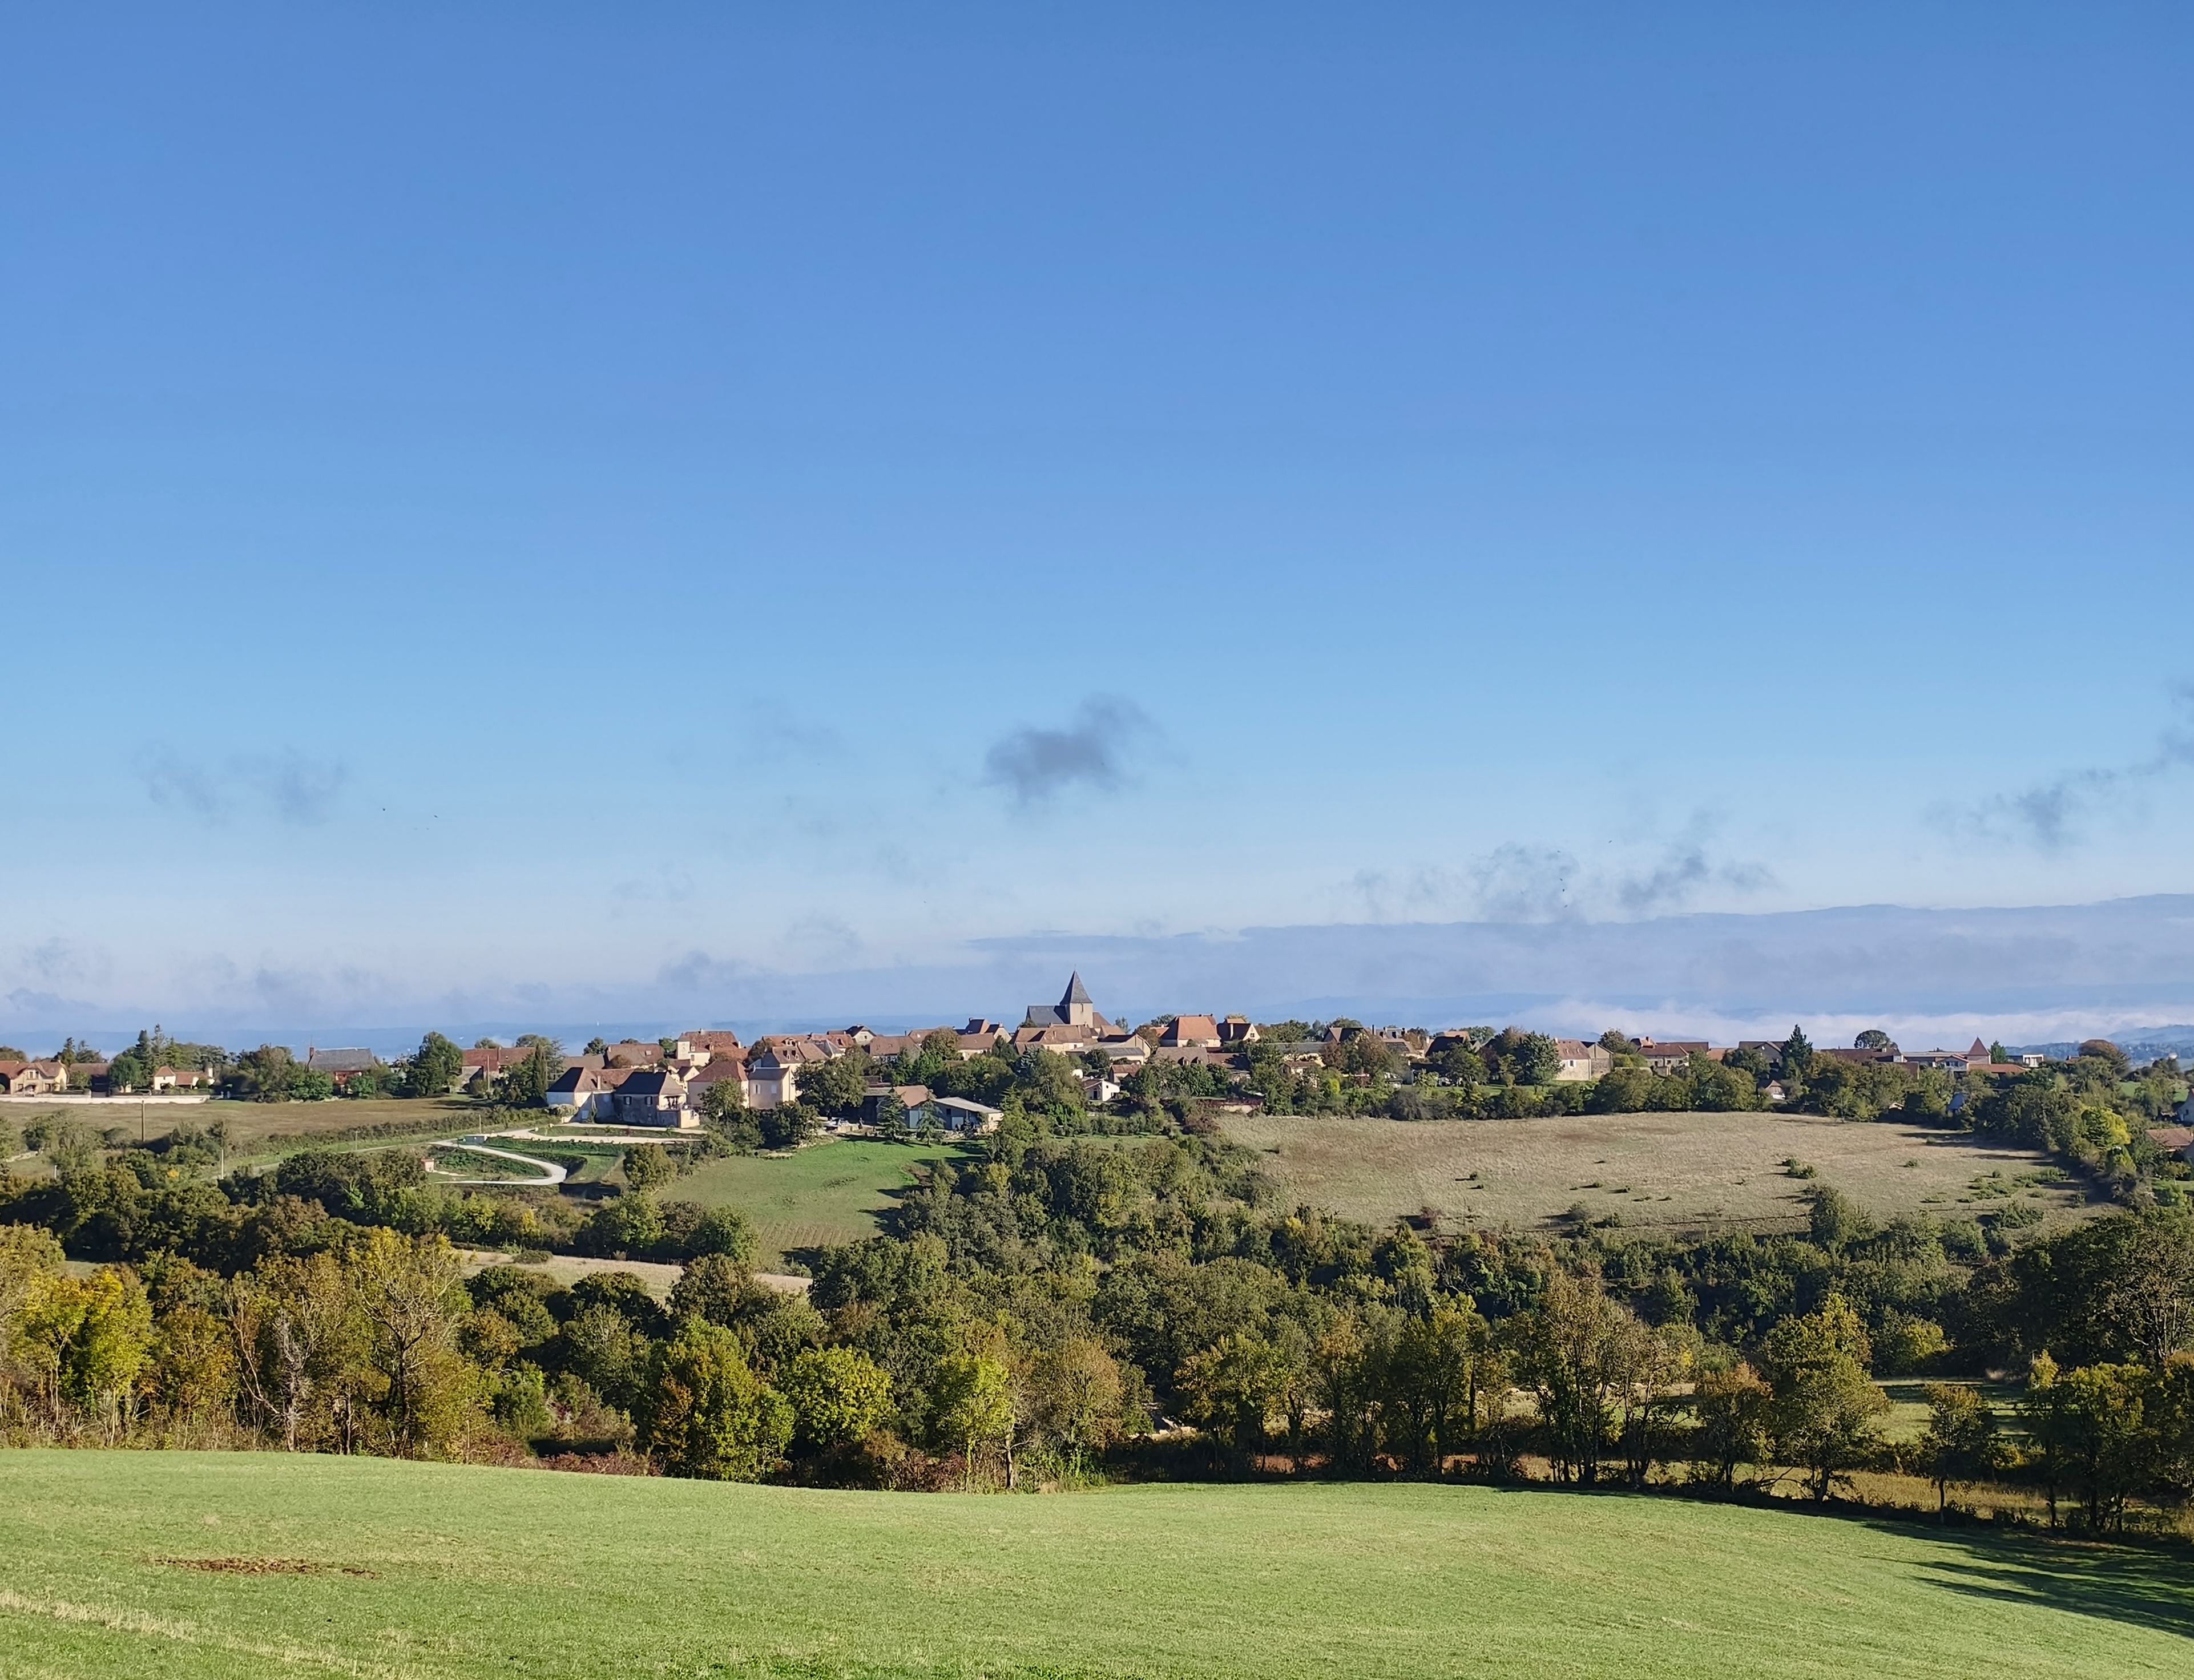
x,y
1906,1420
825,1193
205,1565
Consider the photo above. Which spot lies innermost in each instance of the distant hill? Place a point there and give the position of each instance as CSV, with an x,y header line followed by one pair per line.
x,y
2145,1045
2047,971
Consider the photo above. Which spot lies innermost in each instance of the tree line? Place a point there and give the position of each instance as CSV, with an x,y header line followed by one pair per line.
x,y
1056,1307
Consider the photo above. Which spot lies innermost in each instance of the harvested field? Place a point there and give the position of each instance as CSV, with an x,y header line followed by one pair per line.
x,y
251,1126
661,1277
1656,1173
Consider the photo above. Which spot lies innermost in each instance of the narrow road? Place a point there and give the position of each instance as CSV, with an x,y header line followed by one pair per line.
x,y
551,1173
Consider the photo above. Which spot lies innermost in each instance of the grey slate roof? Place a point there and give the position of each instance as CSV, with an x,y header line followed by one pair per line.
x,y
341,1061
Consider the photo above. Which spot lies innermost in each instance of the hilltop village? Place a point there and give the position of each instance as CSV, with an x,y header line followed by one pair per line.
x,y
961,1080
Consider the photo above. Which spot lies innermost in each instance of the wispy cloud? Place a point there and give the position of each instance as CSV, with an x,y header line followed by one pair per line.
x,y
289,786
773,731
1685,870
1526,882
2051,816
1036,764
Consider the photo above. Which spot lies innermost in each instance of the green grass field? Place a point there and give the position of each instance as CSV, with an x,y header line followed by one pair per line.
x,y
825,1193
187,1565
1656,1174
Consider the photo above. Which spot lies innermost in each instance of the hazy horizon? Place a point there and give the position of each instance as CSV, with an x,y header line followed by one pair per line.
x,y
2021,975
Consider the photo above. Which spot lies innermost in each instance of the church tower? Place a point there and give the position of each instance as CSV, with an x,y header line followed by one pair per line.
x,y
1074,1008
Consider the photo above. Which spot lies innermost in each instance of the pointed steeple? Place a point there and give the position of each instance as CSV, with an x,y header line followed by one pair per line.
x,y
1074,993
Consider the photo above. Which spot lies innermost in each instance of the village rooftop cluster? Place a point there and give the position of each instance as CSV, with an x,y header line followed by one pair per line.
x,y
670,1082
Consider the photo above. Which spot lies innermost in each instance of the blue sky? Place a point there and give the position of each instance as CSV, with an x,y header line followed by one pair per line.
x,y
502,501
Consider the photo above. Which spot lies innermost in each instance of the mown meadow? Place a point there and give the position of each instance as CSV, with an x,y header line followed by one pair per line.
x,y
190,1564
826,1193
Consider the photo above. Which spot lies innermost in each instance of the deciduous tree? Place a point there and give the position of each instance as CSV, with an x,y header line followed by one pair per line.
x,y
1961,1443
706,1414
1820,1419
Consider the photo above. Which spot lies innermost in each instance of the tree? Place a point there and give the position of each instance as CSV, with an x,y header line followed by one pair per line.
x,y
1230,1389
265,1074
1874,1039
433,1068
972,1402
1836,1222
1648,1364
131,1070
1434,1372
1960,1444
722,1233
526,1086
192,1372
838,1397
706,1414
409,1292
714,1287
1797,1057
1345,1370
2102,1050
627,1227
787,1126
835,1087
27,1255
1572,1354
2151,1294
1718,1088
1079,1392
648,1165
2090,1423
1521,1057
87,1338
299,1339
1820,1417
1458,1063
1730,1403
891,1118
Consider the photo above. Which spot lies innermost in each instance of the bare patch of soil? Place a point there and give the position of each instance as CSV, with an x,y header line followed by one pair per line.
x,y
264,1566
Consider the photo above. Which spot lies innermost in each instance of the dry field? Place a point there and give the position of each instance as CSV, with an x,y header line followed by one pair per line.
x,y
251,1124
1659,1174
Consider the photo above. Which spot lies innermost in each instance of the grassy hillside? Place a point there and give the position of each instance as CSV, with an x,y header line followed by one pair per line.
x,y
826,1193
189,1565
1655,1172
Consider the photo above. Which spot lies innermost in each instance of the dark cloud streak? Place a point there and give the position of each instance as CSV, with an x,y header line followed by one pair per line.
x,y
1036,764
2048,815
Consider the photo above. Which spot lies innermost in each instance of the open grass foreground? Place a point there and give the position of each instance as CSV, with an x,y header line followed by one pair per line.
x,y
189,1564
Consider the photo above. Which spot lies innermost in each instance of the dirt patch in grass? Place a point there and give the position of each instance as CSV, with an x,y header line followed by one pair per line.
x,y
1653,1173
264,1566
